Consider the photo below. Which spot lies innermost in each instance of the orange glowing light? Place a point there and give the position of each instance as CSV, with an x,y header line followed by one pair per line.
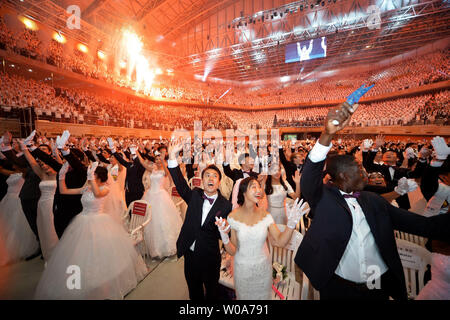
x,y
29,24
158,71
82,48
101,55
59,37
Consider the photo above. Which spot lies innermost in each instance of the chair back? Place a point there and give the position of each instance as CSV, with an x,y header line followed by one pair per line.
x,y
140,211
421,241
415,260
286,255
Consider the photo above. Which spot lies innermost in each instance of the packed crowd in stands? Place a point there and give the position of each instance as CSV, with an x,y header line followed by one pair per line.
x,y
411,73
78,106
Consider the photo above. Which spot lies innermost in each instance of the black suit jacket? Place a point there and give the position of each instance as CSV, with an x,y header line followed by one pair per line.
x,y
326,240
370,166
135,171
206,236
289,167
236,174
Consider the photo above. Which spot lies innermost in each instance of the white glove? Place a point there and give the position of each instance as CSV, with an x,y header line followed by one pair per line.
x,y
295,212
223,230
412,185
402,186
111,145
63,170
410,154
367,144
29,139
133,150
441,148
91,171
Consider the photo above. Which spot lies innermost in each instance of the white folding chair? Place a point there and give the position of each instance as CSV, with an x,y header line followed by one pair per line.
x,y
290,289
415,260
140,216
421,241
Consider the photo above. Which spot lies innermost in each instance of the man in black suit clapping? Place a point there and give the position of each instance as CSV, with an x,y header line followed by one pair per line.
x,y
351,238
198,239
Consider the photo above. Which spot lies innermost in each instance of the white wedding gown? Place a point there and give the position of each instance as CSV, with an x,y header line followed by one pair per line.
x,y
438,288
115,203
252,262
44,220
16,236
162,232
276,202
95,250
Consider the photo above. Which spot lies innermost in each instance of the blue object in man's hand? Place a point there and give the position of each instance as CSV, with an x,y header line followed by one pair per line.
x,y
357,94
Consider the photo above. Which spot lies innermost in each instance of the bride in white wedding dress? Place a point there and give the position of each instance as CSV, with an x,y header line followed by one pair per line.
x,y
95,258
162,232
250,227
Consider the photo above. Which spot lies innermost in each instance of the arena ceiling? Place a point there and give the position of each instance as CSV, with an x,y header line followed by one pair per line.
x,y
244,40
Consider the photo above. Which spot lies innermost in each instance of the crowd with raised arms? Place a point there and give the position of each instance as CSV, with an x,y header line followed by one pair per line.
x,y
81,175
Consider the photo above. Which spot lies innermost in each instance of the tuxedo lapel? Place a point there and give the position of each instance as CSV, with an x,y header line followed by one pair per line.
x,y
214,209
340,199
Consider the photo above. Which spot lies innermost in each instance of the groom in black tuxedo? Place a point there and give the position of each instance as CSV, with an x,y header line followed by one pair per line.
x,y
352,232
198,239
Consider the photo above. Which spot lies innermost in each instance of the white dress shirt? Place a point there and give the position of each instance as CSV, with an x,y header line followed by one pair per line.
x,y
206,204
361,251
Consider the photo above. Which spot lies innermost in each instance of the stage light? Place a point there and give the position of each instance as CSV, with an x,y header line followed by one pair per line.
x,y
82,48
158,71
101,55
29,24
59,37
30,70
122,64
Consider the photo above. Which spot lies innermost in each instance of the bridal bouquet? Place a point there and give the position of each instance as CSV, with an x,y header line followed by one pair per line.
x,y
279,272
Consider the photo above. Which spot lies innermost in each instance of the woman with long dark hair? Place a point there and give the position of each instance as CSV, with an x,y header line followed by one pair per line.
x,y
277,189
250,227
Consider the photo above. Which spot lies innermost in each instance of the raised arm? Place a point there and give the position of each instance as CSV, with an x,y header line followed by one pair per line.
x,y
174,169
62,182
32,161
142,161
91,180
294,213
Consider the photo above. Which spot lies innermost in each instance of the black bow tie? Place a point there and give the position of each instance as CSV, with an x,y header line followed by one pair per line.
x,y
247,172
353,195
211,200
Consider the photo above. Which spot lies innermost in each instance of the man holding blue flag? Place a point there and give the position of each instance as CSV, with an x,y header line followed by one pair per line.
x,y
349,251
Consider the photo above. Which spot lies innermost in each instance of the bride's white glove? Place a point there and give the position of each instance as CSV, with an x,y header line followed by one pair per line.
x,y
91,171
111,145
28,140
295,212
405,186
63,170
223,230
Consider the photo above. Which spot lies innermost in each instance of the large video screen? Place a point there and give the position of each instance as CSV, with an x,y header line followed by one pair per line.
x,y
306,50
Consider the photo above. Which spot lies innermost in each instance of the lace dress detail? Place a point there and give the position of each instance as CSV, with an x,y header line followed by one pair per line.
x,y
252,263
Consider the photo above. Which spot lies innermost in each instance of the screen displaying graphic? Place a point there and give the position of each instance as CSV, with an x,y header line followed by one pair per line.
x,y
306,50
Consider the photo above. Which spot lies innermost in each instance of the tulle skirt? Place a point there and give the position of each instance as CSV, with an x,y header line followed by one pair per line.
x,y
16,236
94,259
162,232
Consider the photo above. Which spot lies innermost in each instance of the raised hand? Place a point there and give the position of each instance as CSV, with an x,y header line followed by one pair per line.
x,y
379,141
28,139
224,229
297,176
367,144
338,117
7,137
91,171
405,185
440,147
63,170
174,149
296,211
